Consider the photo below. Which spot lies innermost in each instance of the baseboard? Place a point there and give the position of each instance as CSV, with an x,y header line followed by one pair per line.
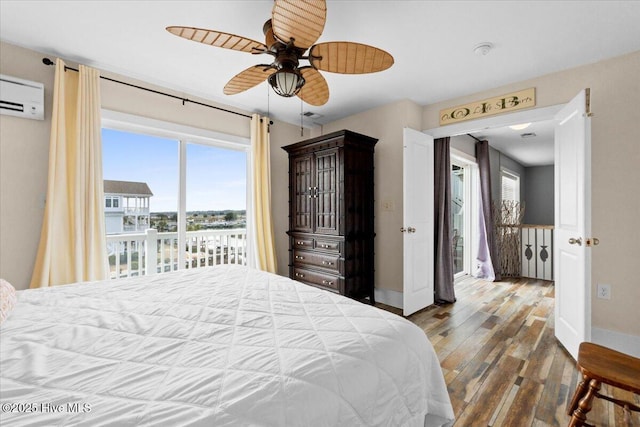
x,y
625,343
389,297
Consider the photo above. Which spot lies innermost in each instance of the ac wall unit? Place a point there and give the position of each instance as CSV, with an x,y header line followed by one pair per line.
x,y
21,98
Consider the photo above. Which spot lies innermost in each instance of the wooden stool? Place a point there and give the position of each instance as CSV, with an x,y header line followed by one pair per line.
x,y
599,365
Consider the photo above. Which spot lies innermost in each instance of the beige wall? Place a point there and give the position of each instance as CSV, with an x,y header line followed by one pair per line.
x,y
24,156
615,130
386,124
24,146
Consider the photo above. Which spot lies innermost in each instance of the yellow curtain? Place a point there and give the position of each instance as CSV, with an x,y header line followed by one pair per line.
x,y
260,149
72,240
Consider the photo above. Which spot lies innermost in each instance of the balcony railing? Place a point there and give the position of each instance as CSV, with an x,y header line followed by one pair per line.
x,y
135,210
150,252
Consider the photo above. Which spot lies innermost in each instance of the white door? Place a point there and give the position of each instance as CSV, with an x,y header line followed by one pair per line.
x,y
417,221
572,262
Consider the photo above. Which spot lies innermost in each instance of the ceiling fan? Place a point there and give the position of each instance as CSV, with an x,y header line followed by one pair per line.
x,y
294,27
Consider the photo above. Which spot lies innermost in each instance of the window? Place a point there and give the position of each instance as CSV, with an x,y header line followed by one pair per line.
x,y
185,187
510,185
112,202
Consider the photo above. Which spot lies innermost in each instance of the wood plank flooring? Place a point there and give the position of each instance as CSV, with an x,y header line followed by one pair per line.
x,y
501,361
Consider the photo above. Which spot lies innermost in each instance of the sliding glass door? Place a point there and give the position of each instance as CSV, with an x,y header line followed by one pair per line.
x,y
458,216
175,197
464,208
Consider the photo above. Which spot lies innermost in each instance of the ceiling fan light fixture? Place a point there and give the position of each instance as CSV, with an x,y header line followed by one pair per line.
x,y
286,82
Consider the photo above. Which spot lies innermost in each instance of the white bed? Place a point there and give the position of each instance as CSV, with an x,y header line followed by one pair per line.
x,y
218,346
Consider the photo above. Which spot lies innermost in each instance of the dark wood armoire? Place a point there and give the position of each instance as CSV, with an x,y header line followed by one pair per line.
x,y
331,230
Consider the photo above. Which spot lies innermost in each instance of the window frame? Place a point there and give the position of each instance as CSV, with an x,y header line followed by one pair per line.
x,y
184,135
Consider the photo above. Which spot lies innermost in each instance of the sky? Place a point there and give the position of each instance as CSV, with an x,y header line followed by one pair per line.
x,y
216,177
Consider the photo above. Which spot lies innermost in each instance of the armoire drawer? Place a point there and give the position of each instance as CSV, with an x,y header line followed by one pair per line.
x,y
327,245
302,242
323,280
316,259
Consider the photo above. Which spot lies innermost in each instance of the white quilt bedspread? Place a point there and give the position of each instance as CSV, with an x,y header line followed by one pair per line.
x,y
218,346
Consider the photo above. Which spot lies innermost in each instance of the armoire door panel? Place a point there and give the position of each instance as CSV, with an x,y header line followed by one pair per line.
x,y
326,212
303,194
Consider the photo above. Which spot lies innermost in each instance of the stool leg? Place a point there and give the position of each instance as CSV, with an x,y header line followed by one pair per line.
x,y
579,393
579,416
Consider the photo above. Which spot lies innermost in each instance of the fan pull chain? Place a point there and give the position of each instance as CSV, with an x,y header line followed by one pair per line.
x,y
301,128
268,109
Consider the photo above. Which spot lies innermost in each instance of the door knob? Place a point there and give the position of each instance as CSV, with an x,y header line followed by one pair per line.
x,y
403,230
577,241
411,230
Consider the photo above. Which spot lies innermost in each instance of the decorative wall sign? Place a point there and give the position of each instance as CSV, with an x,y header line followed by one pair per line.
x,y
487,107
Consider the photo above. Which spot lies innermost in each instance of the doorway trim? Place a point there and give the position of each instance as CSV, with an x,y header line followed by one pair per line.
x,y
463,128
533,115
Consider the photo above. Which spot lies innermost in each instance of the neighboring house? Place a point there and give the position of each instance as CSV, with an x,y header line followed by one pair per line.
x,y
126,206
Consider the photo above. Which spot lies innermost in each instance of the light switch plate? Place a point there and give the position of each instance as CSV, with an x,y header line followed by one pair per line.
x,y
388,206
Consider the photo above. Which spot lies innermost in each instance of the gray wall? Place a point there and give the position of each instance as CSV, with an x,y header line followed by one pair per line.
x,y
497,161
539,195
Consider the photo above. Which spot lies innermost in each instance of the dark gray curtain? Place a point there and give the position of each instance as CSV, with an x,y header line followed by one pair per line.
x,y
488,261
443,265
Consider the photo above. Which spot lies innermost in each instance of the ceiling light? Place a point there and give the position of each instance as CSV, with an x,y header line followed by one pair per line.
x,y
286,82
520,126
483,48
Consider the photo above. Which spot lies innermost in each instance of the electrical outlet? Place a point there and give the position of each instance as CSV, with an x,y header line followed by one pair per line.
x,y
604,291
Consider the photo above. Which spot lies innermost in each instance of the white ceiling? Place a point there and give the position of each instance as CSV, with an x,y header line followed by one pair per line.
x,y
536,150
432,43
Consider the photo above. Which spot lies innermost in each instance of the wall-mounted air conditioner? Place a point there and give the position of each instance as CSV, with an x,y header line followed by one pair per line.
x,y
21,98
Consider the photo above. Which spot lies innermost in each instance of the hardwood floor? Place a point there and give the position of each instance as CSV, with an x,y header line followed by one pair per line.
x,y
500,359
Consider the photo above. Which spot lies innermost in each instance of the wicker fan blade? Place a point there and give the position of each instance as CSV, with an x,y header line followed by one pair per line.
x,y
218,39
302,21
315,90
247,79
349,58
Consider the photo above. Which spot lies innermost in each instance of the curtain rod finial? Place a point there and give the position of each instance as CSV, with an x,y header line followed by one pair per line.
x,y
47,61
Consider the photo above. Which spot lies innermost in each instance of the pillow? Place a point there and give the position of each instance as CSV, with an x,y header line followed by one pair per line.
x,y
7,299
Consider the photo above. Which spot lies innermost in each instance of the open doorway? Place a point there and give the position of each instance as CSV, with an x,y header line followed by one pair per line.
x,y
521,158
572,207
522,173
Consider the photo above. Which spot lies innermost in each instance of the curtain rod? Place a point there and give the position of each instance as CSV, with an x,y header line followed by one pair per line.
x,y
47,61
478,140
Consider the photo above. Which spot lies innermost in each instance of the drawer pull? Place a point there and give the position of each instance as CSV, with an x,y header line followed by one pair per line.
x,y
327,263
300,275
325,246
299,257
327,282
300,242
